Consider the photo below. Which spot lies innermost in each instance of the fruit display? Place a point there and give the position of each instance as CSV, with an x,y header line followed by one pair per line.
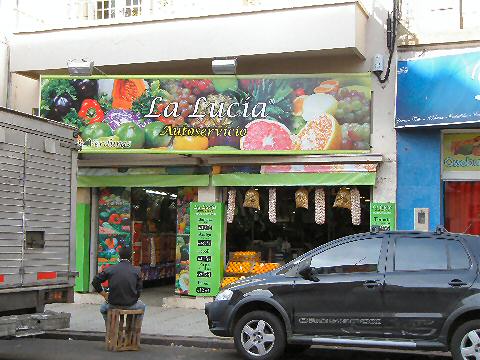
x,y
132,133
245,263
190,143
353,105
322,133
266,135
228,280
261,268
207,120
239,267
227,113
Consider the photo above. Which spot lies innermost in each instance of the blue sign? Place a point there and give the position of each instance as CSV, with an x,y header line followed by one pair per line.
x,y
442,90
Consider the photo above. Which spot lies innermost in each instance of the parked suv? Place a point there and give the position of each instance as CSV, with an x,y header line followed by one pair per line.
x,y
407,290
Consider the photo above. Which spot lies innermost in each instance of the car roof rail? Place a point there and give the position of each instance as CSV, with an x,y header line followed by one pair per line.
x,y
440,229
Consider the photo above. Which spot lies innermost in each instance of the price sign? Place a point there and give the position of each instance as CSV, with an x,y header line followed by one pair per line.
x,y
206,244
382,215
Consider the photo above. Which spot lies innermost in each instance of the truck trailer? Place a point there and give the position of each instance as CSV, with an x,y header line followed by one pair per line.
x,y
38,168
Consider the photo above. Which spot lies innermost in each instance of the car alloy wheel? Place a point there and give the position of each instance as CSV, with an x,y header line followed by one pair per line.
x,y
470,345
258,338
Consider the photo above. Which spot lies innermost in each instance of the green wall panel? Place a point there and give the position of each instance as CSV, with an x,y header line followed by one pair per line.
x,y
295,179
83,247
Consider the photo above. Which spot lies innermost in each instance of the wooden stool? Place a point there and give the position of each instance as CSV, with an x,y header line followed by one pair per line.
x,y
123,329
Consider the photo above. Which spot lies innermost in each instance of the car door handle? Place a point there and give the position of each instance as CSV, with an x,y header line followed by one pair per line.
x,y
371,284
457,283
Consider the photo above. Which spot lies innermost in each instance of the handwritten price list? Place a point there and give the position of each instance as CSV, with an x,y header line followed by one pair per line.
x,y
382,216
206,241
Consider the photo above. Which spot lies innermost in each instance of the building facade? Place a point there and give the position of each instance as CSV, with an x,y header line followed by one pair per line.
x,y
437,116
147,193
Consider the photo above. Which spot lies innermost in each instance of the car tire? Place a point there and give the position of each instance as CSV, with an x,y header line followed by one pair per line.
x,y
260,335
296,348
466,338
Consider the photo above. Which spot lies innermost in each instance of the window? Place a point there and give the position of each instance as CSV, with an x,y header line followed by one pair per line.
x,y
458,256
105,9
412,254
35,240
132,8
462,206
352,257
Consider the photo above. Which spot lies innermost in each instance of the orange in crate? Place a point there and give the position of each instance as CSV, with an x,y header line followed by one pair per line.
x,y
229,280
261,268
239,267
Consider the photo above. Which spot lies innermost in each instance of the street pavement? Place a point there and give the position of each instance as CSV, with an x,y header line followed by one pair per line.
x,y
43,349
158,320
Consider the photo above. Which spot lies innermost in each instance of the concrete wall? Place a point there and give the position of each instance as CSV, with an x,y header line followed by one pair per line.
x,y
244,34
419,178
24,93
3,69
439,21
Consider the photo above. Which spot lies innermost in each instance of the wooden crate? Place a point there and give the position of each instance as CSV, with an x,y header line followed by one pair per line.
x,y
123,330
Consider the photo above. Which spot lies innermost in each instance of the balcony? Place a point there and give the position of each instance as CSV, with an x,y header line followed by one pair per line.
x,y
185,36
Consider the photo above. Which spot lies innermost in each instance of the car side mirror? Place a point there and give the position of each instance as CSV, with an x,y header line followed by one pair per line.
x,y
307,273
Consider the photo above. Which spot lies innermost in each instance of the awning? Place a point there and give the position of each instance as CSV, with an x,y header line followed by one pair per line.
x,y
143,180
295,179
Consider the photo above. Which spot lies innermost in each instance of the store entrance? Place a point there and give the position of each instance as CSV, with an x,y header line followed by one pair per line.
x,y
145,219
295,231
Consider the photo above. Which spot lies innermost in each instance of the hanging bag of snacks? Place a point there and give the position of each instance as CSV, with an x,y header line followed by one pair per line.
x,y
231,205
272,205
252,199
356,209
301,198
343,199
319,206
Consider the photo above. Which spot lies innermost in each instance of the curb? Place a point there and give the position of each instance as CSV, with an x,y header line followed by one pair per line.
x,y
165,340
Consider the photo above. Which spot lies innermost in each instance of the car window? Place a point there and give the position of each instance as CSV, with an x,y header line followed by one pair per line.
x,y
413,254
352,257
458,256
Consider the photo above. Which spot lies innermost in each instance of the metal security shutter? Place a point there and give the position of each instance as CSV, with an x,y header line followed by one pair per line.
x,y
47,209
12,155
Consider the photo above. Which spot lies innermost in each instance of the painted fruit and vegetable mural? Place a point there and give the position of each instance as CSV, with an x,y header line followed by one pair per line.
x,y
220,113
113,225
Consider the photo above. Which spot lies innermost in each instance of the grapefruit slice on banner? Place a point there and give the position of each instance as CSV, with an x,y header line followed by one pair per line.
x,y
265,134
322,133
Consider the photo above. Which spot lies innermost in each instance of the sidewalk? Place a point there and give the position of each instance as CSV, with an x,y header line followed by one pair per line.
x,y
158,320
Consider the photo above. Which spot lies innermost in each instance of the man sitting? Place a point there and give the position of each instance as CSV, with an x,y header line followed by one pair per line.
x,y
124,283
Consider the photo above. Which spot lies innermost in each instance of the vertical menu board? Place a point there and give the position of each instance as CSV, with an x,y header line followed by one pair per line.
x,y
206,247
382,215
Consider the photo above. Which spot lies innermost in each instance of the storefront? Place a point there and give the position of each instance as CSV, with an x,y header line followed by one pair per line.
x,y
272,167
438,142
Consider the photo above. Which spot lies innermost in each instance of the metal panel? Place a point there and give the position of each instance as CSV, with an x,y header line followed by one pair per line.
x,y
11,210
50,191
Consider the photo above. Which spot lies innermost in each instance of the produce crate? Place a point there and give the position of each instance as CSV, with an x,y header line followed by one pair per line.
x,y
239,256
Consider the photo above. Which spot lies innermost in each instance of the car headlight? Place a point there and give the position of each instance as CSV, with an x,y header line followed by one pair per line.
x,y
224,295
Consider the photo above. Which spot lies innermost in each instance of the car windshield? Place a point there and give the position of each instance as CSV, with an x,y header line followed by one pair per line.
x,y
301,259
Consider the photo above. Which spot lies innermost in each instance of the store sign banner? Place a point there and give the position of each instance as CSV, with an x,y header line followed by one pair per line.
x,y
206,247
439,90
218,114
382,216
461,152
